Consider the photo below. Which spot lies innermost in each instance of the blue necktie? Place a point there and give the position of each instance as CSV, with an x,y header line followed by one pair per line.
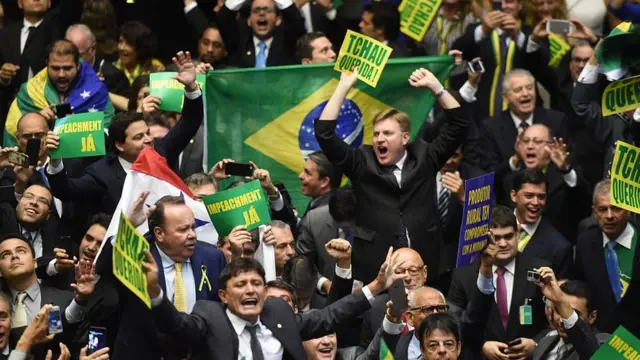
x,y
261,57
43,175
611,259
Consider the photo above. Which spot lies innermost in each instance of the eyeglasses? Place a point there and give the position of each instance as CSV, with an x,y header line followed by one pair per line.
x,y
40,200
433,346
429,309
258,10
413,271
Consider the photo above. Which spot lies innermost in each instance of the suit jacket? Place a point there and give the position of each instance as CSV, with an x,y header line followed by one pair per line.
x,y
115,80
137,335
101,185
484,50
584,339
590,266
499,137
464,285
209,333
566,206
399,50
238,38
315,229
192,156
548,244
382,205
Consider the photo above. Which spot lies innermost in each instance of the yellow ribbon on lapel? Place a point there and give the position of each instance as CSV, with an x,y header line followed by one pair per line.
x,y
204,278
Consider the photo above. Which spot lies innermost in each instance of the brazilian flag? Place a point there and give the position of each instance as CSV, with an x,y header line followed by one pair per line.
x,y
619,53
266,115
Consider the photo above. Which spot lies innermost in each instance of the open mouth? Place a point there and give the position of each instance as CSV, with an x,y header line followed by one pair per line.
x,y
326,351
262,24
249,303
382,150
526,101
534,211
31,212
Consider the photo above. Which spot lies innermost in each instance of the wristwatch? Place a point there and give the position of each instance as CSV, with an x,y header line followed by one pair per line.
x,y
439,93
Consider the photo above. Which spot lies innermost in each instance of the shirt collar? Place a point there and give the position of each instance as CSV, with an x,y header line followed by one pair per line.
x,y
455,17
6,350
167,262
268,42
400,163
238,323
125,164
529,228
510,267
32,291
517,121
26,24
624,239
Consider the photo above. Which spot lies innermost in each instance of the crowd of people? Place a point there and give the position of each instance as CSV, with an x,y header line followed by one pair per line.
x,y
559,274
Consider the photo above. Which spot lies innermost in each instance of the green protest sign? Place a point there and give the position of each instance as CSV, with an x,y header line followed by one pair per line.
x,y
621,345
169,90
81,135
128,255
243,205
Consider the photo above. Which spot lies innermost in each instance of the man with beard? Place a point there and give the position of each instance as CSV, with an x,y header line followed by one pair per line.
x,y
268,39
66,80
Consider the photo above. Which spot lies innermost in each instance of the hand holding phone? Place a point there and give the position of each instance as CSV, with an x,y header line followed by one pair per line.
x,y
557,26
238,169
97,339
18,158
533,276
398,296
55,320
62,110
33,151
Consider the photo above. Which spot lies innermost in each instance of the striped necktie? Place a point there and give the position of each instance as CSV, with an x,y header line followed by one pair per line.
x,y
444,196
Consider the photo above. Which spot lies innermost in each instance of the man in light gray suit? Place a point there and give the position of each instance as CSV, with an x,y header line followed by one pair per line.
x,y
569,312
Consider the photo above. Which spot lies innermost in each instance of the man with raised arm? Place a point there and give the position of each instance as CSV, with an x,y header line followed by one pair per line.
x,y
394,179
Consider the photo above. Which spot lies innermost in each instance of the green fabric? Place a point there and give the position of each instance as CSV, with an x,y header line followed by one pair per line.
x,y
266,115
625,260
618,52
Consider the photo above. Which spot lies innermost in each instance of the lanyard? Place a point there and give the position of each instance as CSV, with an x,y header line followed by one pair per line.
x,y
442,35
511,50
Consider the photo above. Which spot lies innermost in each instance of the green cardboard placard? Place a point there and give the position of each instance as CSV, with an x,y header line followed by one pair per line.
x,y
169,90
621,345
81,135
241,205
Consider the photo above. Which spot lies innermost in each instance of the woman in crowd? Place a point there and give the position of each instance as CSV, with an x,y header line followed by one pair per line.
x,y
136,49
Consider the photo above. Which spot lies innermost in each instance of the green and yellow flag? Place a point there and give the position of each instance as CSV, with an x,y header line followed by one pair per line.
x,y
385,353
267,115
618,54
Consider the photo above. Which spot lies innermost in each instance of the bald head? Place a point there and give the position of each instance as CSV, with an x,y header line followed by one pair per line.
x,y
31,125
538,131
407,260
426,296
82,37
407,255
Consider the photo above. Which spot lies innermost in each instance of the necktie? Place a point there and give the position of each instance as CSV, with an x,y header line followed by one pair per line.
x,y
443,203
403,239
346,234
501,297
613,269
19,318
179,294
261,57
27,235
256,349
523,126
43,176
523,240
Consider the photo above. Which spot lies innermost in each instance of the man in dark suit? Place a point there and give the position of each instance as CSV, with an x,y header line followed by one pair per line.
x,y
498,33
572,335
17,266
614,289
538,238
82,37
270,37
215,333
501,132
381,21
567,192
101,185
394,180
189,273
508,281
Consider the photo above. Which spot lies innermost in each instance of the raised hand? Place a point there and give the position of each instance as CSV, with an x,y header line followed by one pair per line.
x,y
558,154
453,182
423,78
8,72
202,68
186,70
63,261
150,269
582,32
149,104
139,213
340,250
4,156
540,31
102,354
238,237
348,80
218,170
491,21
457,56
85,280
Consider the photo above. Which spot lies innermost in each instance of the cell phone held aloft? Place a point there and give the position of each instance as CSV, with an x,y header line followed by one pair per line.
x,y
55,320
398,296
97,339
559,26
476,66
533,276
18,158
238,169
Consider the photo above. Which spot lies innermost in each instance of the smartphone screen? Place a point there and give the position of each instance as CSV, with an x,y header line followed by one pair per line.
x,y
18,158
55,320
33,150
477,67
238,169
97,339
559,26
62,110
398,297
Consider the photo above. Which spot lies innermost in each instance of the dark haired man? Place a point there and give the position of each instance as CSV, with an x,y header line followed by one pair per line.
x,y
315,48
381,21
102,182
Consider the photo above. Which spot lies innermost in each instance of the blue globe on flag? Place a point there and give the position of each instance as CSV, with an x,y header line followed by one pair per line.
x,y
350,127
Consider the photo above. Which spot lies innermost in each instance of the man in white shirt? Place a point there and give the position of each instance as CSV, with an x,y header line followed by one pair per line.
x,y
264,329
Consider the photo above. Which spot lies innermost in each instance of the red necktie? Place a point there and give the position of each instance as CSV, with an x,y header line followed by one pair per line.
x,y
501,297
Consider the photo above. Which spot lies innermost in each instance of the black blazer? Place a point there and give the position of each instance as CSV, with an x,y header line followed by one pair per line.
x,y
584,339
192,156
101,185
464,285
114,79
566,206
548,244
238,38
590,266
315,229
382,205
499,137
210,335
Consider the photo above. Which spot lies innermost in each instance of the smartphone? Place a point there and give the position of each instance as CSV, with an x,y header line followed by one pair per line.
x,y
97,339
399,298
55,320
238,169
18,158
62,110
33,150
476,67
533,276
514,342
497,6
559,26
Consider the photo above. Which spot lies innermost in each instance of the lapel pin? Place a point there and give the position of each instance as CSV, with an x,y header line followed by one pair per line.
x,y
248,52
279,326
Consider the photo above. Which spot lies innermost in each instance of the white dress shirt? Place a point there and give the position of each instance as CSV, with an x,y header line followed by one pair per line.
x,y
468,92
623,240
529,228
397,170
517,121
271,347
256,41
126,166
187,278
